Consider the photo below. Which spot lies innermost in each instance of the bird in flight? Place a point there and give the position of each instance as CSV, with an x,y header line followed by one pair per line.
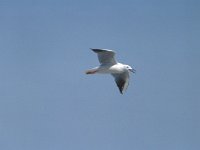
x,y
108,65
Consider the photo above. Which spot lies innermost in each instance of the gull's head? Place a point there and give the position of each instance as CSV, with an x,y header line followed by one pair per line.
x,y
129,68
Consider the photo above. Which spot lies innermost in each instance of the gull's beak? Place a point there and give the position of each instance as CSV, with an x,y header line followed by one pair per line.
x,y
132,70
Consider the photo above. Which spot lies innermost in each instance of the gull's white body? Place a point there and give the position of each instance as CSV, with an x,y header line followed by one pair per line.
x,y
107,69
108,65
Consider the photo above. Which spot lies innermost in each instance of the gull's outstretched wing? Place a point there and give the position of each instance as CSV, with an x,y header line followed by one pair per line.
x,y
122,81
105,56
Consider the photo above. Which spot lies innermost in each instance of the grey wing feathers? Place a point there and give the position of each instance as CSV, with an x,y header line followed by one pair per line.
x,y
105,56
122,81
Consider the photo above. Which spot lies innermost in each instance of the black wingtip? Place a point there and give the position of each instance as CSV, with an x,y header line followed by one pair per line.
x,y
120,83
121,91
97,50
93,49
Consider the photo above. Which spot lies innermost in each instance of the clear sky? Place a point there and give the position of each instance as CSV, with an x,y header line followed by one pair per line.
x,y
48,103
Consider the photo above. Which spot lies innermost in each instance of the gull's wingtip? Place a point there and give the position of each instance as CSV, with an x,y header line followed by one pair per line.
x,y
121,91
93,49
97,50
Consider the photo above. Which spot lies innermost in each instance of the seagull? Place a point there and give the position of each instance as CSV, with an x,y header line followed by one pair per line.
x,y
108,65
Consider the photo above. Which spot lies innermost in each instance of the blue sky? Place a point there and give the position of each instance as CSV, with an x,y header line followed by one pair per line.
x,y
48,103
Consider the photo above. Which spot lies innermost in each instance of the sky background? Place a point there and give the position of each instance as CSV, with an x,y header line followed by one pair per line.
x,y
48,103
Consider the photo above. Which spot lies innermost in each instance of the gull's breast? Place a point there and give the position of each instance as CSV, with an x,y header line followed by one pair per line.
x,y
106,69
118,68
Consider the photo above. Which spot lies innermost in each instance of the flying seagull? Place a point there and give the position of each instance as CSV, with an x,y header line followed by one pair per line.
x,y
108,65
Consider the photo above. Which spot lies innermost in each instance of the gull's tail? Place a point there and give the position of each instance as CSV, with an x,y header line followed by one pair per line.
x,y
91,71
